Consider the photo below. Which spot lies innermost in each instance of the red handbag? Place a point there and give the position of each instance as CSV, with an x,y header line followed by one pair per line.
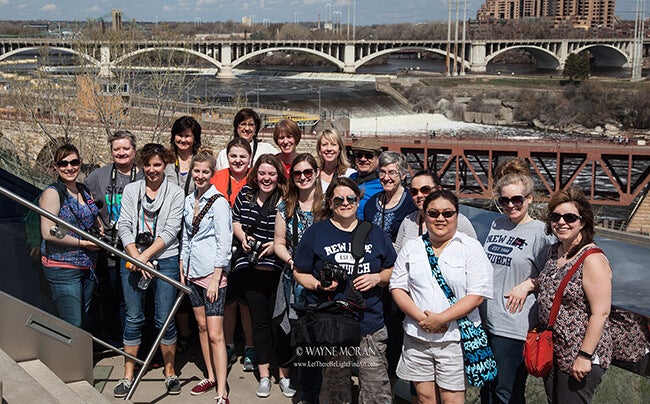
x,y
538,349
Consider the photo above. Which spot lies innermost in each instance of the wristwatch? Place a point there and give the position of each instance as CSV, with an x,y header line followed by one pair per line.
x,y
585,354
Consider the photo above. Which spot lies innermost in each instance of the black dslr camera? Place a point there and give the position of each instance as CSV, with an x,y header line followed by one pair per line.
x,y
256,250
144,240
330,272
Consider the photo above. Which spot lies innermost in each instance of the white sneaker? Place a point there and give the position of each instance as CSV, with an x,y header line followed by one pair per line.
x,y
285,387
264,389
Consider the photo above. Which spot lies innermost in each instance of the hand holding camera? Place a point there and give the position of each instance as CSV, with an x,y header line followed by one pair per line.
x,y
332,272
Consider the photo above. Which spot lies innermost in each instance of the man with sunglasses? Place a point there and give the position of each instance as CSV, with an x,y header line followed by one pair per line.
x,y
366,159
107,184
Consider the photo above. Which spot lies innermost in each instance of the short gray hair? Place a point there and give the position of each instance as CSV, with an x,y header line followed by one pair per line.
x,y
123,134
390,157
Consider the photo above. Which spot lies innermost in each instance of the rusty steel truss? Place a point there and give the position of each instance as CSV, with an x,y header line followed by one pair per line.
x,y
610,173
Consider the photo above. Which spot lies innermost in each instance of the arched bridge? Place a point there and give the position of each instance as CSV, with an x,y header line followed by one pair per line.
x,y
348,56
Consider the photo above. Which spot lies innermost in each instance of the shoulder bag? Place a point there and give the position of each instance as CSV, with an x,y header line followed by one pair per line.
x,y
480,365
538,348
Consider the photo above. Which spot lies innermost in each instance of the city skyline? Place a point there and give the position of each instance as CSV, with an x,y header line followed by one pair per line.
x,y
274,11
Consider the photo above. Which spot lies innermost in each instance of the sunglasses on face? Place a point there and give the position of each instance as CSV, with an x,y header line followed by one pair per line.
x,y
447,214
65,163
308,173
568,217
425,190
364,155
338,200
516,200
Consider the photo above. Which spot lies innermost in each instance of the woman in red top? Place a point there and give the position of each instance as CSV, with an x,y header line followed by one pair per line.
x,y
229,181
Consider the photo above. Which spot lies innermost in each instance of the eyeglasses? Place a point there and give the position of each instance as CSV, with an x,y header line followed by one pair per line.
x,y
391,173
246,124
447,214
516,200
338,200
308,173
364,155
568,217
425,190
65,163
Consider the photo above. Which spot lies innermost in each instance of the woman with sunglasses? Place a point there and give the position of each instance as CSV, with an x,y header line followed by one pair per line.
x,y
296,213
254,224
389,207
205,262
229,181
432,357
582,345
517,247
68,260
287,135
332,159
247,125
329,240
150,219
422,184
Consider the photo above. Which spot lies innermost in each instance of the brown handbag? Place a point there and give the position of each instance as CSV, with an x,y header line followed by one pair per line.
x,y
538,349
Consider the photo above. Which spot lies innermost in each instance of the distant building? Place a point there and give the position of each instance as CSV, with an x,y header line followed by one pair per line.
x,y
247,21
578,13
117,19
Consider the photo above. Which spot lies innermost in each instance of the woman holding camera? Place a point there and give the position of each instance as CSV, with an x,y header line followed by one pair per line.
x,y
432,356
68,260
328,244
295,214
149,223
205,262
253,223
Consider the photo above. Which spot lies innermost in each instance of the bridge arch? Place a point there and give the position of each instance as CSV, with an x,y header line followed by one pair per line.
x,y
605,55
82,55
545,59
251,55
122,58
377,54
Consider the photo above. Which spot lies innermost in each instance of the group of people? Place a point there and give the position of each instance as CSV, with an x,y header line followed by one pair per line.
x,y
252,230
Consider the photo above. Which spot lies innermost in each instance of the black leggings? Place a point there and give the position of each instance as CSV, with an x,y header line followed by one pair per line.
x,y
259,290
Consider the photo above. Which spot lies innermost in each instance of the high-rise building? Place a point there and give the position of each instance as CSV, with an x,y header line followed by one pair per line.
x,y
579,13
117,19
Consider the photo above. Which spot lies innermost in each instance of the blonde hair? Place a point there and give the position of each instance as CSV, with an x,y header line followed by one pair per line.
x,y
204,154
513,171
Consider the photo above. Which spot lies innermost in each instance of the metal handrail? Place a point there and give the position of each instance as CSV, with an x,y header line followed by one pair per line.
x,y
102,244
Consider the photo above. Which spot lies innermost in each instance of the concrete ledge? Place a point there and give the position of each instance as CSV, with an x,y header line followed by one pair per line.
x,y
87,392
51,382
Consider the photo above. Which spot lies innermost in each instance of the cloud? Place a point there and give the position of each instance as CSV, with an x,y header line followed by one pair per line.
x,y
49,7
167,8
4,2
93,9
200,3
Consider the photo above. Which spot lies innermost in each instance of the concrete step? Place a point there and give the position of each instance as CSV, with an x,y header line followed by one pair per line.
x,y
60,391
19,386
88,393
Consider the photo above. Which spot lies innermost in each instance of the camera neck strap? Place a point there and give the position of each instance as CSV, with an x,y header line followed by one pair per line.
x,y
152,230
267,207
113,187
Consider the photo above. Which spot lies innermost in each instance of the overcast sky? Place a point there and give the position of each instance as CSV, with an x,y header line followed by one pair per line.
x,y
368,11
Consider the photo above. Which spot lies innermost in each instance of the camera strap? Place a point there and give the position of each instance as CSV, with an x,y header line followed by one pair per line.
x,y
197,219
359,237
267,207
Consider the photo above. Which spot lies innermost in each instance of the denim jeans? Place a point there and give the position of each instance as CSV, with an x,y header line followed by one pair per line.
x,y
72,291
164,298
510,385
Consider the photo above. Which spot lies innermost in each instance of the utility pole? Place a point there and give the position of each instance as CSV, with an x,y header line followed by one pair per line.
x,y
354,21
637,51
463,52
455,73
348,20
447,64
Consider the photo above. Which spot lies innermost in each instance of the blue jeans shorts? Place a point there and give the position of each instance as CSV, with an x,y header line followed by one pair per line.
x,y
199,298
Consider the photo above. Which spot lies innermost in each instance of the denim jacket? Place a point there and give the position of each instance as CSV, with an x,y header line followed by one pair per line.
x,y
211,245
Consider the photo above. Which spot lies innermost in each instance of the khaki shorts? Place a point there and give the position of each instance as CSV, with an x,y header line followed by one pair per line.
x,y
439,362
